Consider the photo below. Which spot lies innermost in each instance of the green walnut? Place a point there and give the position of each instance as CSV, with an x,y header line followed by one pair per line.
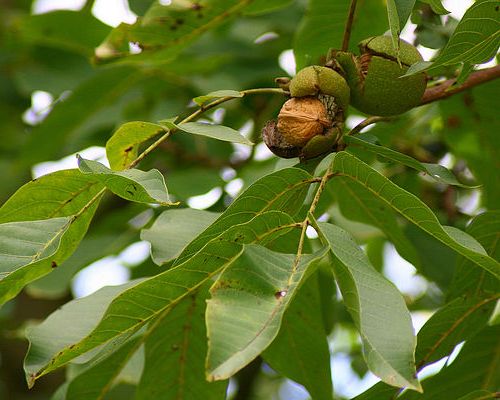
x,y
310,123
375,77
316,80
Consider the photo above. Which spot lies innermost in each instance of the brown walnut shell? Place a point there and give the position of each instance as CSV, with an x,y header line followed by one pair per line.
x,y
301,118
275,142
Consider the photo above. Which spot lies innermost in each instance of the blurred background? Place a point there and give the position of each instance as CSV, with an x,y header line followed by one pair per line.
x,y
55,102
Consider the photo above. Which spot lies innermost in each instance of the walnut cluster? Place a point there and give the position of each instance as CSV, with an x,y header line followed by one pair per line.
x,y
309,123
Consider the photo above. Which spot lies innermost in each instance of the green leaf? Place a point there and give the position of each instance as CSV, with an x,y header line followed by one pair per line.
x,y
477,366
95,381
398,12
173,230
459,320
323,24
357,203
414,210
475,40
377,308
300,351
180,181
164,31
52,335
214,131
28,245
378,391
258,7
110,234
435,171
320,29
75,31
470,134
60,194
468,278
131,184
246,307
135,307
437,261
436,6
284,190
403,10
495,316
175,349
479,395
122,148
200,100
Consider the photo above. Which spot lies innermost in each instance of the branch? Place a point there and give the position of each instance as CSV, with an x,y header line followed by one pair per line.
x,y
348,26
446,89
366,122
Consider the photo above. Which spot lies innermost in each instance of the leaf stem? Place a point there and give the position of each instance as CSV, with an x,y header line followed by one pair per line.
x,y
307,220
366,122
96,197
348,25
196,114
153,146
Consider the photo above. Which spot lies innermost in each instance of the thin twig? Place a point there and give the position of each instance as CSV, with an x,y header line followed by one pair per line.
x,y
446,89
196,114
153,146
366,122
348,26
307,221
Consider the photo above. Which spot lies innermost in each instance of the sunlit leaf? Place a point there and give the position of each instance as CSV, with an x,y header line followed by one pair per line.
x,y
214,131
96,380
475,40
358,203
414,210
173,230
300,351
477,366
398,12
377,308
28,245
109,234
55,197
457,321
122,147
131,184
246,307
53,334
174,359
283,190
435,171
217,95
133,308
469,279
